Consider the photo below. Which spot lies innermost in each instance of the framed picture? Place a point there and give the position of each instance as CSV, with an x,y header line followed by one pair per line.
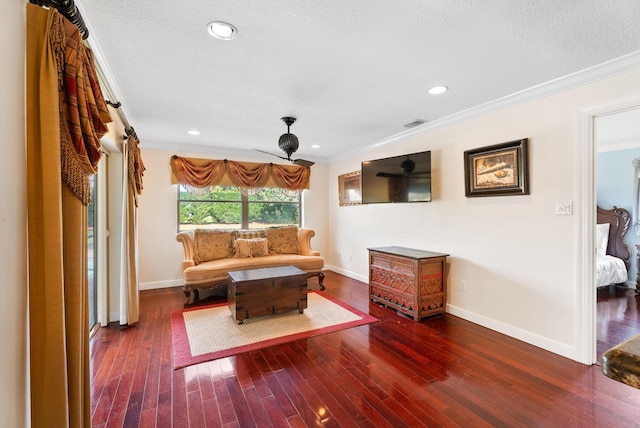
x,y
350,188
498,170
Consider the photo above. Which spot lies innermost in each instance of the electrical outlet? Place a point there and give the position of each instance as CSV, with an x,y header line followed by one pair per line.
x,y
350,258
463,285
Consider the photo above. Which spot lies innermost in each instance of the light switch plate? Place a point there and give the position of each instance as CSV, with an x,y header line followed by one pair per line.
x,y
564,208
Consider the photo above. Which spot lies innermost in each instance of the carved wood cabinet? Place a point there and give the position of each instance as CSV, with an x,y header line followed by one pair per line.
x,y
411,281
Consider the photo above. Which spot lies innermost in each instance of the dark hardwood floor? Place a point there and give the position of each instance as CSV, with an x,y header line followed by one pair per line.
x,y
393,373
618,314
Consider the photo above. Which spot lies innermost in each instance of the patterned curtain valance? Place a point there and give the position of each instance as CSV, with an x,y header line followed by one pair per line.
x,y
204,173
83,110
135,167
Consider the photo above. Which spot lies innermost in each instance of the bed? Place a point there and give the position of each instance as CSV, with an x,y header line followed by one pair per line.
x,y
612,254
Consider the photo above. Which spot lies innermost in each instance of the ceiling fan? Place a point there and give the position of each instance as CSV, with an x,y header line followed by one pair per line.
x,y
288,143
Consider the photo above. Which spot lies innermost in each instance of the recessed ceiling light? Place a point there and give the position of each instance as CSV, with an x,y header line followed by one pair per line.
x,y
194,132
222,30
315,146
437,90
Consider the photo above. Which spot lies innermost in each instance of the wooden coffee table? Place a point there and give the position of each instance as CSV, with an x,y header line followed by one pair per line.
x,y
258,292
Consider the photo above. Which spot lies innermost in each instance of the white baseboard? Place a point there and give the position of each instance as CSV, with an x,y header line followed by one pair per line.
x,y
515,332
178,282
348,273
160,284
490,323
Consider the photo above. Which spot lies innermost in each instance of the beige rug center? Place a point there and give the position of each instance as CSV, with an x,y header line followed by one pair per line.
x,y
213,329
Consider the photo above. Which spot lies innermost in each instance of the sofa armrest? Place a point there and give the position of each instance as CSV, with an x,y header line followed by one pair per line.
x,y
186,239
304,241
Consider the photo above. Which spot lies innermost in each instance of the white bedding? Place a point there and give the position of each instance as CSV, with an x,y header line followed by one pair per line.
x,y
610,270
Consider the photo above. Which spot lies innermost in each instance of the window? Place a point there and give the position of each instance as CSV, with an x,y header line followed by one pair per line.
x,y
226,207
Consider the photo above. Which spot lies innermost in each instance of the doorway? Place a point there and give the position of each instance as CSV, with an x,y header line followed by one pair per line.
x,y
586,351
617,144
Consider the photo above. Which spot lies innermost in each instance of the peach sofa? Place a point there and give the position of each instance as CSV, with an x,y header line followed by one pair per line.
x,y
209,255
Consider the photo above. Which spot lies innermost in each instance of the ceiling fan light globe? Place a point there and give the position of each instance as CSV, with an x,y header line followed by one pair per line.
x,y
288,143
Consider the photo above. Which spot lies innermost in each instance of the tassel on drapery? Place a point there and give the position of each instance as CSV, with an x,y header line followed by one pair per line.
x,y
198,176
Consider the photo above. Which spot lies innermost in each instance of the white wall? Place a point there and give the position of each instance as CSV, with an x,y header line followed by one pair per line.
x,y
14,406
518,257
160,255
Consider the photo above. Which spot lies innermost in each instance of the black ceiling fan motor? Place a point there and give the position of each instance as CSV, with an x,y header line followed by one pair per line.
x,y
288,142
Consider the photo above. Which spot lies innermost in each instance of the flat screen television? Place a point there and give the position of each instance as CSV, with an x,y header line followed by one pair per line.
x,y
405,178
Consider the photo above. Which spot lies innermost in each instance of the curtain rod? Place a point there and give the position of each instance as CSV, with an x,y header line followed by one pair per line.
x,y
69,10
109,96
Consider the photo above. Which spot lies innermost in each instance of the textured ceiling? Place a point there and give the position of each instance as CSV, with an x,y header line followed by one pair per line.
x,y
352,72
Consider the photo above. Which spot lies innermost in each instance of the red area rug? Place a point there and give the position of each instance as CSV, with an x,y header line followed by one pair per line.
x,y
207,333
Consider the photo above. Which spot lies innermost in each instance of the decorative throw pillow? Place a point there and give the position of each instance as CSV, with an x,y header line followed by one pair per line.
x,y
242,248
602,238
212,244
250,233
283,240
259,247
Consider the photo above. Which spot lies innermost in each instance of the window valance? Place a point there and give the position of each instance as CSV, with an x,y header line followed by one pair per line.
x,y
205,173
83,110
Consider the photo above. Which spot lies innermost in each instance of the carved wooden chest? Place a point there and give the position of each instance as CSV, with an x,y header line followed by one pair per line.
x,y
408,280
257,292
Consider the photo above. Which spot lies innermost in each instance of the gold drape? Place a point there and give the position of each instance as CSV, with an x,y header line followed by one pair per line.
x,y
200,173
134,170
57,228
47,324
248,175
197,172
290,178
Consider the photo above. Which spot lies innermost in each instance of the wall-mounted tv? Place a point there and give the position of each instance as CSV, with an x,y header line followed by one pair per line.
x,y
405,178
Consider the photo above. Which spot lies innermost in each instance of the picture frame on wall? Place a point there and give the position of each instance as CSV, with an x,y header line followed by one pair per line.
x,y
350,189
497,170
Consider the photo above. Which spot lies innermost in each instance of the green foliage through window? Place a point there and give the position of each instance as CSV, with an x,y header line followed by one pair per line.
x,y
226,207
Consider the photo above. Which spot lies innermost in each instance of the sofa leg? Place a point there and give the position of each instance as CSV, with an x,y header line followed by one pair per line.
x,y
320,280
189,295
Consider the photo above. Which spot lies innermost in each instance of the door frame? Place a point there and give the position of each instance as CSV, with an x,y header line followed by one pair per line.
x,y
586,335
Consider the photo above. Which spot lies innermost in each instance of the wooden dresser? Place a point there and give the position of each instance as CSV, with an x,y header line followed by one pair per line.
x,y
408,280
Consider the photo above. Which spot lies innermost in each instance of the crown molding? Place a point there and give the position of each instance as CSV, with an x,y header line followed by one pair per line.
x,y
583,77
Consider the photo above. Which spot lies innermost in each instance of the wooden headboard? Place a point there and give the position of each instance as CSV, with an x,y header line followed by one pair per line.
x,y
619,220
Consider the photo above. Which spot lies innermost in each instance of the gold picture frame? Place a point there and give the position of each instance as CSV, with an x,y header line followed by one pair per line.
x,y
498,170
350,189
